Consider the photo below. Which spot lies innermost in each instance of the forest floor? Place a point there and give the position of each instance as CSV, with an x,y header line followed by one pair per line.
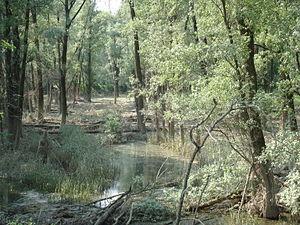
x,y
84,113
91,116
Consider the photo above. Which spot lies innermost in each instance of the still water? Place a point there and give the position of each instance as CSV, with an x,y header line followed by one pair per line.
x,y
139,165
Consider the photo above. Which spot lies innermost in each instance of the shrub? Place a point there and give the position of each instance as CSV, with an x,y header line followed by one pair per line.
x,y
224,172
290,195
284,155
150,210
113,122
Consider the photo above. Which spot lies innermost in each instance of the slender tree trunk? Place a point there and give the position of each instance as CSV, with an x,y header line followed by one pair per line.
x,y
157,127
164,127
194,20
298,60
89,73
171,125
80,78
116,80
292,113
33,87
2,74
60,71
288,115
63,69
63,89
182,134
3,84
139,100
39,69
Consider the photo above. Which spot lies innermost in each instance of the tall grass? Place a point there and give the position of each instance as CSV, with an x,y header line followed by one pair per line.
x,y
91,166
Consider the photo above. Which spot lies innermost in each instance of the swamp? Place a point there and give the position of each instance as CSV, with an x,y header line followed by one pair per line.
x,y
118,112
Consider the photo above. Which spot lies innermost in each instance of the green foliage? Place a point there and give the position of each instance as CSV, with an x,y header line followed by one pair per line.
x,y
5,44
284,154
290,194
137,183
150,210
20,222
113,122
284,151
221,169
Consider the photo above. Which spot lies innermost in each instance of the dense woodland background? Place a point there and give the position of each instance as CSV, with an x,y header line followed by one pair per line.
x,y
197,70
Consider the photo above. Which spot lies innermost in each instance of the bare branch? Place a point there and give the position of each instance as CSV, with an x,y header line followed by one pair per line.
x,y
233,147
245,188
201,123
77,12
62,2
72,3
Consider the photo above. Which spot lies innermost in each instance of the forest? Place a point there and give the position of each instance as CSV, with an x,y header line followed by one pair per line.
x,y
118,112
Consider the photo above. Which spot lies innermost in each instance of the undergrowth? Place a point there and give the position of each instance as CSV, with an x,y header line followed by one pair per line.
x,y
78,167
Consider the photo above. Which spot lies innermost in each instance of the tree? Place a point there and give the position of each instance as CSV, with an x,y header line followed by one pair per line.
x,y
15,66
68,6
40,88
140,79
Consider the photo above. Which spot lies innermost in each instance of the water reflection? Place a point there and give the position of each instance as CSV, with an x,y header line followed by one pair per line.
x,y
139,164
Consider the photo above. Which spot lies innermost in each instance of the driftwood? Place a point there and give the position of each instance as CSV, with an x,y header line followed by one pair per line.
x,y
110,210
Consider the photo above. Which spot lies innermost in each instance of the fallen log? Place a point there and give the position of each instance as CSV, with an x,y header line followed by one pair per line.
x,y
44,126
236,196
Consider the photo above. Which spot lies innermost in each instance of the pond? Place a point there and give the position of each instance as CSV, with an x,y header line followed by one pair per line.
x,y
140,164
136,165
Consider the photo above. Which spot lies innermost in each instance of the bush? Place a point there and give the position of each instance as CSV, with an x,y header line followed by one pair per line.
x,y
113,122
290,195
224,172
284,155
150,210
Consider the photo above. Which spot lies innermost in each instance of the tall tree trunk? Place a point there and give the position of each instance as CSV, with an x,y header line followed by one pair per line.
x,y
139,100
63,70
194,20
3,84
157,127
182,134
89,73
171,126
116,80
80,78
63,89
23,75
39,69
2,74
33,87
288,116
11,79
252,119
